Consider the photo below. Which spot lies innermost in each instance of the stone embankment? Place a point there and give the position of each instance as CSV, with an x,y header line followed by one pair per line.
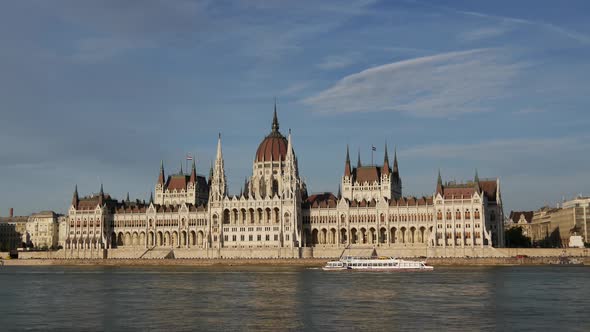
x,y
302,262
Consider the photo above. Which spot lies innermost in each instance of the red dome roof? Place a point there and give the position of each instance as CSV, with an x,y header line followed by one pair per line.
x,y
273,147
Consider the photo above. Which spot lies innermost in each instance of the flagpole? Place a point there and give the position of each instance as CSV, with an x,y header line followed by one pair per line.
x,y
372,150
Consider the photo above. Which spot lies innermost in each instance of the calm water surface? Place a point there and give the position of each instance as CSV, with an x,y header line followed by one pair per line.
x,y
293,298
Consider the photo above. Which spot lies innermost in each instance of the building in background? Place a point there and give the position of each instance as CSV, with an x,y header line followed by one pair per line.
x,y
42,230
12,230
554,226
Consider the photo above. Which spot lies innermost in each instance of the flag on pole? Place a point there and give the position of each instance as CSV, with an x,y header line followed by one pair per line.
x,y
373,148
189,157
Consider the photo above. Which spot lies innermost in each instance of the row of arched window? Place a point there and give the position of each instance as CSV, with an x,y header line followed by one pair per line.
x,y
458,215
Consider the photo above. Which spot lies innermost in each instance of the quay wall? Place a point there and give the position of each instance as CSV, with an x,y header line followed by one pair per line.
x,y
297,253
280,262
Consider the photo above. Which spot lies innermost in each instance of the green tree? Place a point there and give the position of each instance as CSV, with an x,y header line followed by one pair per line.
x,y
515,238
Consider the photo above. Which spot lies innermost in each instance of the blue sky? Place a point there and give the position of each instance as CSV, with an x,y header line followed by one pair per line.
x,y
101,91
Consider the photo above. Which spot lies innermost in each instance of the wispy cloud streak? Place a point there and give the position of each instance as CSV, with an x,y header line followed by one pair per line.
x,y
437,85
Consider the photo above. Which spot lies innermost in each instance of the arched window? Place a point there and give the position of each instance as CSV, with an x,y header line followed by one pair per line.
x,y
476,214
449,216
458,215
439,215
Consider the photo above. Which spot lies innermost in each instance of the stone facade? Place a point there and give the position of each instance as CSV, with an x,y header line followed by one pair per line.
x,y
553,226
42,230
273,211
12,231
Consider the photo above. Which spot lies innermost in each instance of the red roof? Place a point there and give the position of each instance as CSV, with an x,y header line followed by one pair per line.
x,y
177,182
273,147
367,174
490,188
322,200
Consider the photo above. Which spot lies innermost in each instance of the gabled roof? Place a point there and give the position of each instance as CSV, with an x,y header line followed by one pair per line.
x,y
516,215
490,189
177,182
367,174
323,200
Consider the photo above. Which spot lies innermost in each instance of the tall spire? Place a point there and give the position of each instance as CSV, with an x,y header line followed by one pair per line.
x,y
210,171
275,119
161,177
395,167
358,162
218,184
439,184
101,196
347,169
476,181
246,191
193,178
151,197
219,153
339,192
75,198
386,161
127,198
289,145
181,171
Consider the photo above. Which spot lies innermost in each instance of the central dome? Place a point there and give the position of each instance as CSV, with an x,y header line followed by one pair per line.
x,y
274,146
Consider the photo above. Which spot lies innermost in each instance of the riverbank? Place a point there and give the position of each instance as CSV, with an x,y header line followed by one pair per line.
x,y
304,262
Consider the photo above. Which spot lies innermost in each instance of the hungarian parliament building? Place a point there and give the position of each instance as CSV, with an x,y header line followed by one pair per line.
x,y
194,213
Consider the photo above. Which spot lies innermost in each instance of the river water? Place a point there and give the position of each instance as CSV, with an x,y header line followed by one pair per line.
x,y
293,298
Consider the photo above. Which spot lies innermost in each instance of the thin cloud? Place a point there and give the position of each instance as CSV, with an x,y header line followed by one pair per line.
x,y
483,33
438,85
582,38
337,61
294,88
513,149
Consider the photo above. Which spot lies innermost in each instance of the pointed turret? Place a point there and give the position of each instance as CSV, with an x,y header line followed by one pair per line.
x,y
439,184
275,120
347,168
386,162
101,196
161,177
151,197
210,172
339,192
193,178
246,190
218,185
289,147
127,200
75,198
476,182
395,166
358,162
219,152
181,171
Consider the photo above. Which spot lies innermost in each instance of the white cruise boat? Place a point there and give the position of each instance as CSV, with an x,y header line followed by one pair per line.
x,y
376,264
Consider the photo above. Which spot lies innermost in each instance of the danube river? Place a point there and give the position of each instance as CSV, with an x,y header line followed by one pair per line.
x,y
293,298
